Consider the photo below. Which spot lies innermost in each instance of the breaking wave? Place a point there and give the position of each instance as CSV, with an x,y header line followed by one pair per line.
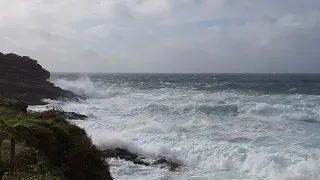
x,y
82,86
223,157
220,134
189,109
282,111
213,109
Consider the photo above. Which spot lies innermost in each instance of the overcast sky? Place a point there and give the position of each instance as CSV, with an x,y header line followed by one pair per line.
x,y
164,35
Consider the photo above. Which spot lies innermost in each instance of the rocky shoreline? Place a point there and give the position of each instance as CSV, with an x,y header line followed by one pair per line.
x,y
22,79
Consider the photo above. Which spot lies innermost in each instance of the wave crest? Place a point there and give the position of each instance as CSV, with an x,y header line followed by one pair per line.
x,y
83,86
215,110
194,108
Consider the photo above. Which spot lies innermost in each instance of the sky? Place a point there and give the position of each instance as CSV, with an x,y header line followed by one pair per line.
x,y
164,36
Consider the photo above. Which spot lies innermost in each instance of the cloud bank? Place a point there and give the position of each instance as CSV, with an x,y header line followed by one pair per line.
x,y
164,35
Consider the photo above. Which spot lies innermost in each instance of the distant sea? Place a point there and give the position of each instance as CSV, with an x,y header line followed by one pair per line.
x,y
219,126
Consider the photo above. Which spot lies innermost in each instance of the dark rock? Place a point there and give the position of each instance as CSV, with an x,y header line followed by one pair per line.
x,y
74,116
166,163
141,162
160,161
129,156
120,153
24,78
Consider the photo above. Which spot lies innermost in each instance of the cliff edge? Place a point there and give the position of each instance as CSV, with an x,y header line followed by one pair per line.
x,y
23,78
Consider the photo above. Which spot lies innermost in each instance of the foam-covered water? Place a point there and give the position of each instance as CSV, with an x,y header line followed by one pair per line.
x,y
217,126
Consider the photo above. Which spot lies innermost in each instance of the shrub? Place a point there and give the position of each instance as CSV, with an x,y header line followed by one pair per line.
x,y
14,104
55,115
48,146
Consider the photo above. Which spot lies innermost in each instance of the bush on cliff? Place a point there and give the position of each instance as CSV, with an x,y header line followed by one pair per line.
x,y
47,146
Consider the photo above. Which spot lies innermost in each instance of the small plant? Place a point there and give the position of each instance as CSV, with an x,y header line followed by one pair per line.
x,y
53,112
14,104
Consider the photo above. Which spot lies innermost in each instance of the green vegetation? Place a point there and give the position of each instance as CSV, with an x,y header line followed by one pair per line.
x,y
47,146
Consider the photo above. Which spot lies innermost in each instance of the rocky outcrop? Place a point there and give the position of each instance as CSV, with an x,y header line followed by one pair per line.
x,y
23,78
126,155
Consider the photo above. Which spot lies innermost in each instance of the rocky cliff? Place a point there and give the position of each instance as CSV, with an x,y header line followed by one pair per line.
x,y
25,79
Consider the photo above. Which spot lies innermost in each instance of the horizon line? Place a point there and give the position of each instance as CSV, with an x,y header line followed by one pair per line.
x,y
184,72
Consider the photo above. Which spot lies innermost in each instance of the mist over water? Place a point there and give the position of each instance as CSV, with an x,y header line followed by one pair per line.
x,y
220,126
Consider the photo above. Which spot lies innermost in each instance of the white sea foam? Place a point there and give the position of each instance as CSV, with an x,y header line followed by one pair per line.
x,y
280,168
106,139
269,137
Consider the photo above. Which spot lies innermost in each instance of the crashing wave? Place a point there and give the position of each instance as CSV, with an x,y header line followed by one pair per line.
x,y
83,86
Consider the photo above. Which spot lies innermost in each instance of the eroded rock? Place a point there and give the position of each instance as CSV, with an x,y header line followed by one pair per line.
x,y
161,162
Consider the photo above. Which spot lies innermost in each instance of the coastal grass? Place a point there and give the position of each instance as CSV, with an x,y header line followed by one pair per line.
x,y
47,146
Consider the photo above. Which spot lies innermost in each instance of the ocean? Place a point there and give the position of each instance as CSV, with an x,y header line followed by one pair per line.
x,y
218,126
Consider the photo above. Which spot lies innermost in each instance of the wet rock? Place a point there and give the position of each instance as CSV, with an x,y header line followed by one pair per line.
x,y
141,162
128,156
120,153
74,116
166,163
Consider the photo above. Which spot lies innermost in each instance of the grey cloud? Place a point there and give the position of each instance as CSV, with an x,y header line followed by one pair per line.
x,y
173,36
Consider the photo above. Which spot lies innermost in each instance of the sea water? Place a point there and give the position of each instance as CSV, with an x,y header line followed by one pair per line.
x,y
218,126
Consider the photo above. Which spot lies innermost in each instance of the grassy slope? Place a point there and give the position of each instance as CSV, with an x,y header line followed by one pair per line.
x,y
47,146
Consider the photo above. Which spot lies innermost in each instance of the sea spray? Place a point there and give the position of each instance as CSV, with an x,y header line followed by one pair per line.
x,y
82,86
231,129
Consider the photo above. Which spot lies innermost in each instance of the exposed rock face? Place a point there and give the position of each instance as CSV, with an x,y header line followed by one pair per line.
x,y
124,154
25,79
